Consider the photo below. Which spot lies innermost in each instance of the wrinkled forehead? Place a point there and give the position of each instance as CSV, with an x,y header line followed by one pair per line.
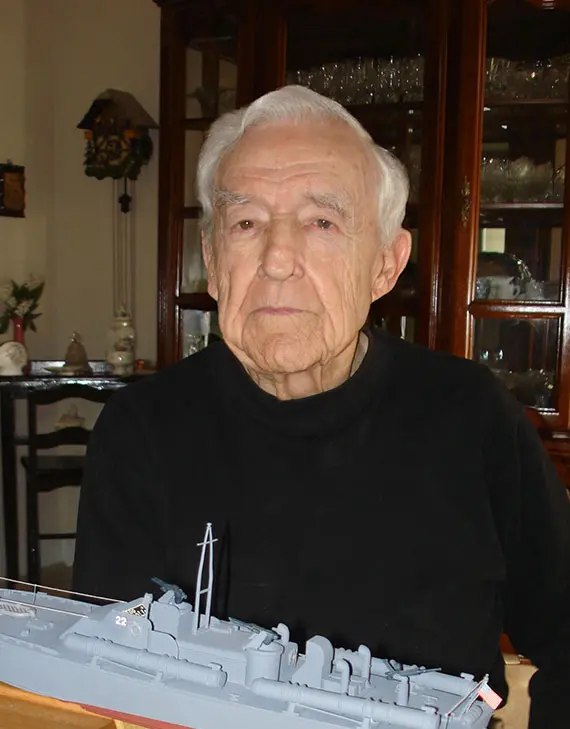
x,y
281,151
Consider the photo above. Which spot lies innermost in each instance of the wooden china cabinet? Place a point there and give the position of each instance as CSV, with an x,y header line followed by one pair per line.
x,y
472,95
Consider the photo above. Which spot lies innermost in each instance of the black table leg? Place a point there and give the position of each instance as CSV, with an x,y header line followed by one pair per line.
x,y
9,483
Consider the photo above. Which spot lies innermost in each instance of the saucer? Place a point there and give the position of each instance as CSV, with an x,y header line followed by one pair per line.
x,y
63,370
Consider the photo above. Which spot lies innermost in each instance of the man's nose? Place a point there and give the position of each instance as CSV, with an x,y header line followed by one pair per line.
x,y
280,255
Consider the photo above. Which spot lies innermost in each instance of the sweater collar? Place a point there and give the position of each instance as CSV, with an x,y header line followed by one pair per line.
x,y
314,415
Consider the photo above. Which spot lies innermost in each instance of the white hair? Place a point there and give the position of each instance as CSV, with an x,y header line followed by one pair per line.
x,y
298,104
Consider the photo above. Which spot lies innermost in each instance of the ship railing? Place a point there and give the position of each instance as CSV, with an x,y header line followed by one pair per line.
x,y
35,588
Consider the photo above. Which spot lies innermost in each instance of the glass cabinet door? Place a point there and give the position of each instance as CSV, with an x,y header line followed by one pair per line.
x,y
211,88
211,71
380,60
199,71
512,233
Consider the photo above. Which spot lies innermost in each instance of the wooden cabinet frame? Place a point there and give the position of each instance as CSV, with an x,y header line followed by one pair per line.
x,y
466,94
452,133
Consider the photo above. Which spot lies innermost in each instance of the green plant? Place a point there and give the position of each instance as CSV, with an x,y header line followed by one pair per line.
x,y
20,301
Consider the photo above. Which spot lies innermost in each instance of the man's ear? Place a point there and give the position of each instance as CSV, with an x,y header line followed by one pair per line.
x,y
392,260
208,255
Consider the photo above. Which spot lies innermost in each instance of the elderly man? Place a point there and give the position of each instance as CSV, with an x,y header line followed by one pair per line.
x,y
363,488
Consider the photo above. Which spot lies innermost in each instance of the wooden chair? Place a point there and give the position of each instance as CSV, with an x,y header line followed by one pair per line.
x,y
46,473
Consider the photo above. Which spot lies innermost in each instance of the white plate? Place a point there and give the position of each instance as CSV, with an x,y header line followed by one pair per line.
x,y
63,370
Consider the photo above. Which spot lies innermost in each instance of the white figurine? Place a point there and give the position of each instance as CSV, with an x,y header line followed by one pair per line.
x,y
13,359
70,419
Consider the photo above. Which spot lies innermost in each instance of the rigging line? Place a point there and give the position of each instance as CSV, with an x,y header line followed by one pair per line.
x,y
58,589
43,607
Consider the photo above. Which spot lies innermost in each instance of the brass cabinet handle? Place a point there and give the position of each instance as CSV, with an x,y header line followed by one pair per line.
x,y
465,202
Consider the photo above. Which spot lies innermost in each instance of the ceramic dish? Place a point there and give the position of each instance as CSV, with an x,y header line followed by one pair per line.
x,y
63,370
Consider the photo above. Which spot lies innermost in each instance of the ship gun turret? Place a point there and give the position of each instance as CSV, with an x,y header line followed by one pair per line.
x,y
428,678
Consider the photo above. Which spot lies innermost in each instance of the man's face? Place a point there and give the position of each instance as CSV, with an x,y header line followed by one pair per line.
x,y
295,258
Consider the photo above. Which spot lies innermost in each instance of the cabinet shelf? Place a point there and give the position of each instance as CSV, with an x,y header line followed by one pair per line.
x,y
513,309
200,300
495,101
541,214
512,206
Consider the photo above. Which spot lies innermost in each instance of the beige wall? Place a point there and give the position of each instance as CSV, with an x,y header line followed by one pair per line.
x,y
56,56
12,133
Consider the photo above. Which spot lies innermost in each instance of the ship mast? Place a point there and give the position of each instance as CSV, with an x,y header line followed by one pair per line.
x,y
207,546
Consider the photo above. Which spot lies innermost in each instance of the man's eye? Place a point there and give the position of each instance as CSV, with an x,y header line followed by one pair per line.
x,y
323,224
245,224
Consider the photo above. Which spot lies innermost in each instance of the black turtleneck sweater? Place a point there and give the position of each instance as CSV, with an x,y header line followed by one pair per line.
x,y
413,509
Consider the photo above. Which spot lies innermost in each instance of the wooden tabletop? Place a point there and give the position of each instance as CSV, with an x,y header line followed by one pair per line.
x,y
22,710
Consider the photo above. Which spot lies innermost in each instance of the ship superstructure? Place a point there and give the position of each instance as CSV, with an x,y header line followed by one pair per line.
x,y
165,660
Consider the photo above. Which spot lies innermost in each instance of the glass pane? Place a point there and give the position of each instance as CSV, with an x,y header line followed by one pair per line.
x,y
399,326
523,353
407,284
192,150
522,260
211,75
194,278
373,62
228,85
200,328
370,57
523,152
361,81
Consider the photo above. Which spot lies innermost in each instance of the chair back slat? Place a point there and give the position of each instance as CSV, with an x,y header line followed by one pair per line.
x,y
63,436
67,391
48,472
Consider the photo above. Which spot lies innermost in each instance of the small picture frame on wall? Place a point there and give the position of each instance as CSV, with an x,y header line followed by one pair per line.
x,y
12,190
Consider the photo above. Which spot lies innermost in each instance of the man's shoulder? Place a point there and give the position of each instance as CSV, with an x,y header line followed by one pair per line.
x,y
191,380
436,376
434,364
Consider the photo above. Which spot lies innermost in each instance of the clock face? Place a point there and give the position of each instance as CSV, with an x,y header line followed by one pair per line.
x,y
108,150
116,153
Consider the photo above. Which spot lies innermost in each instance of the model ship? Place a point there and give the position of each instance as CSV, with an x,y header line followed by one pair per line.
x,y
166,660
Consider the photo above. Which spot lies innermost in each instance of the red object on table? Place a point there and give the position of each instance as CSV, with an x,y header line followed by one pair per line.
x,y
18,329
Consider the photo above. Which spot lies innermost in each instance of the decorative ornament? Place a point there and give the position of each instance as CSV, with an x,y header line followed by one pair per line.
x,y
118,144
76,356
121,342
20,304
13,359
70,419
